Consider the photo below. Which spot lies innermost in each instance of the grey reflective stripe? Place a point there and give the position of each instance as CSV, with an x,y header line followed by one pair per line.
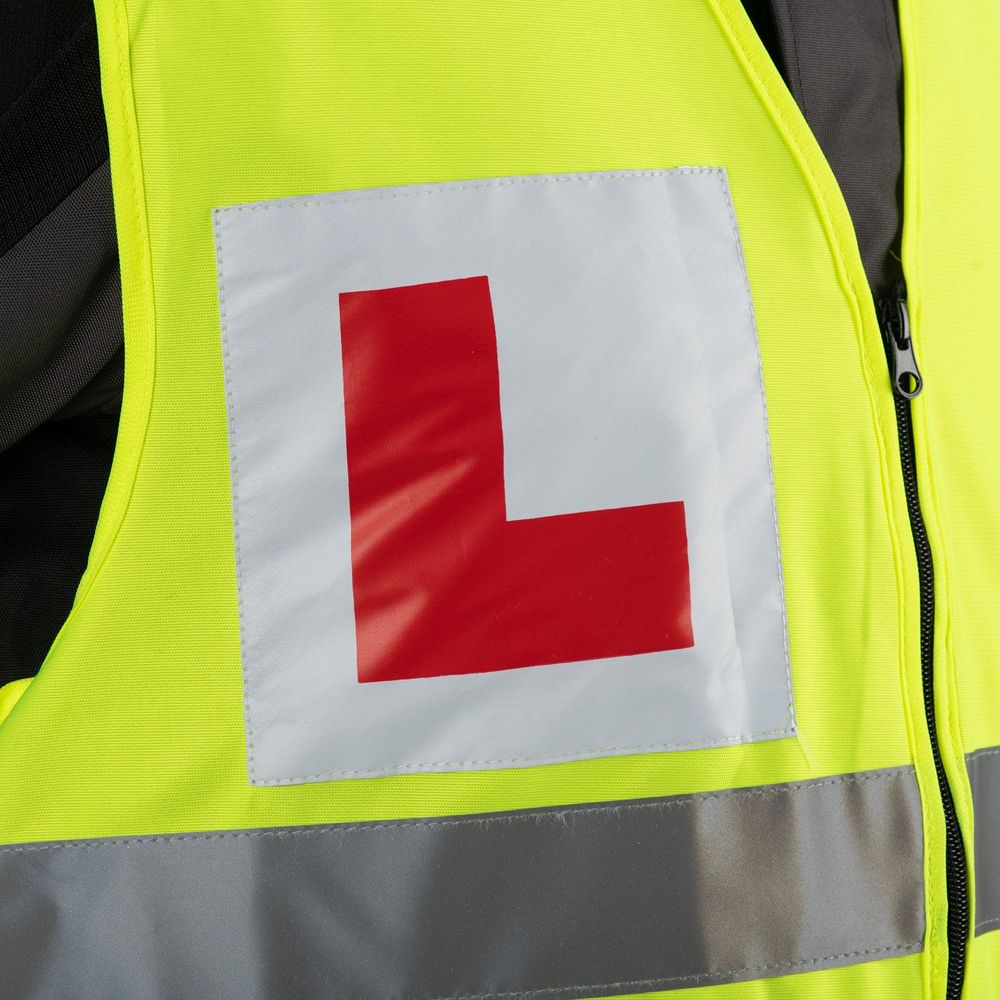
x,y
582,901
984,776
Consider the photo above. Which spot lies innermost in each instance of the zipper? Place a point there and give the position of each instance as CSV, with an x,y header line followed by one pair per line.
x,y
907,384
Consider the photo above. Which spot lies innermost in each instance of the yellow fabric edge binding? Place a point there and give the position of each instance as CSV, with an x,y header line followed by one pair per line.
x,y
136,279
137,293
10,695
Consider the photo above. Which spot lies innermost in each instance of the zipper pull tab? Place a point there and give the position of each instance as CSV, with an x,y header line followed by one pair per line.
x,y
894,318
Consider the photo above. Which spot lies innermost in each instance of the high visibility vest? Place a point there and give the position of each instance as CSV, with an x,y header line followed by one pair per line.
x,y
521,572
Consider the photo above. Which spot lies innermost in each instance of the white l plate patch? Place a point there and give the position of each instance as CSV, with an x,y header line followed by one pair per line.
x,y
501,479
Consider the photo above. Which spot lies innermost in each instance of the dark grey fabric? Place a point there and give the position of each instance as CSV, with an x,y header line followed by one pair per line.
x,y
51,487
61,367
581,901
984,775
52,132
60,313
61,355
842,62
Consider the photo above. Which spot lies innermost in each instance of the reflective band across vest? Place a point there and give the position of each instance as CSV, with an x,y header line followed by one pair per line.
x,y
518,577
984,773
520,903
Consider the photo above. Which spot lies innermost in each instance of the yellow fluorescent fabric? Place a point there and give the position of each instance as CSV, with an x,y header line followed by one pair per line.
x,y
235,103
135,723
10,694
983,972
893,979
950,253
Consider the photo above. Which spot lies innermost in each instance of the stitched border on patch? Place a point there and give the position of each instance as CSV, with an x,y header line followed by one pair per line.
x,y
336,199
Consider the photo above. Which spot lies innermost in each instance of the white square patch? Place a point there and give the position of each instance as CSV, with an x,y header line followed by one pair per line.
x,y
501,478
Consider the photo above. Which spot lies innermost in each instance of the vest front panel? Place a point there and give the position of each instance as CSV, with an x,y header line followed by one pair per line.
x,y
670,346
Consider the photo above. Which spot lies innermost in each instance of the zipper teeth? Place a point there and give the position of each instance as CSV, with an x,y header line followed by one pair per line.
x,y
956,870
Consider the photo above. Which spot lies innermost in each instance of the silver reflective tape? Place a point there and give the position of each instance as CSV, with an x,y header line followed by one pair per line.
x,y
581,901
984,776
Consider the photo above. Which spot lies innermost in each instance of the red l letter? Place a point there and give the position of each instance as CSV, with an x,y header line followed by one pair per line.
x,y
443,582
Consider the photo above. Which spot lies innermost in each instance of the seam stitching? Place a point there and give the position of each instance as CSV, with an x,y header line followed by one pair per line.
x,y
334,200
448,187
984,924
231,415
134,430
727,198
585,753
724,976
558,816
